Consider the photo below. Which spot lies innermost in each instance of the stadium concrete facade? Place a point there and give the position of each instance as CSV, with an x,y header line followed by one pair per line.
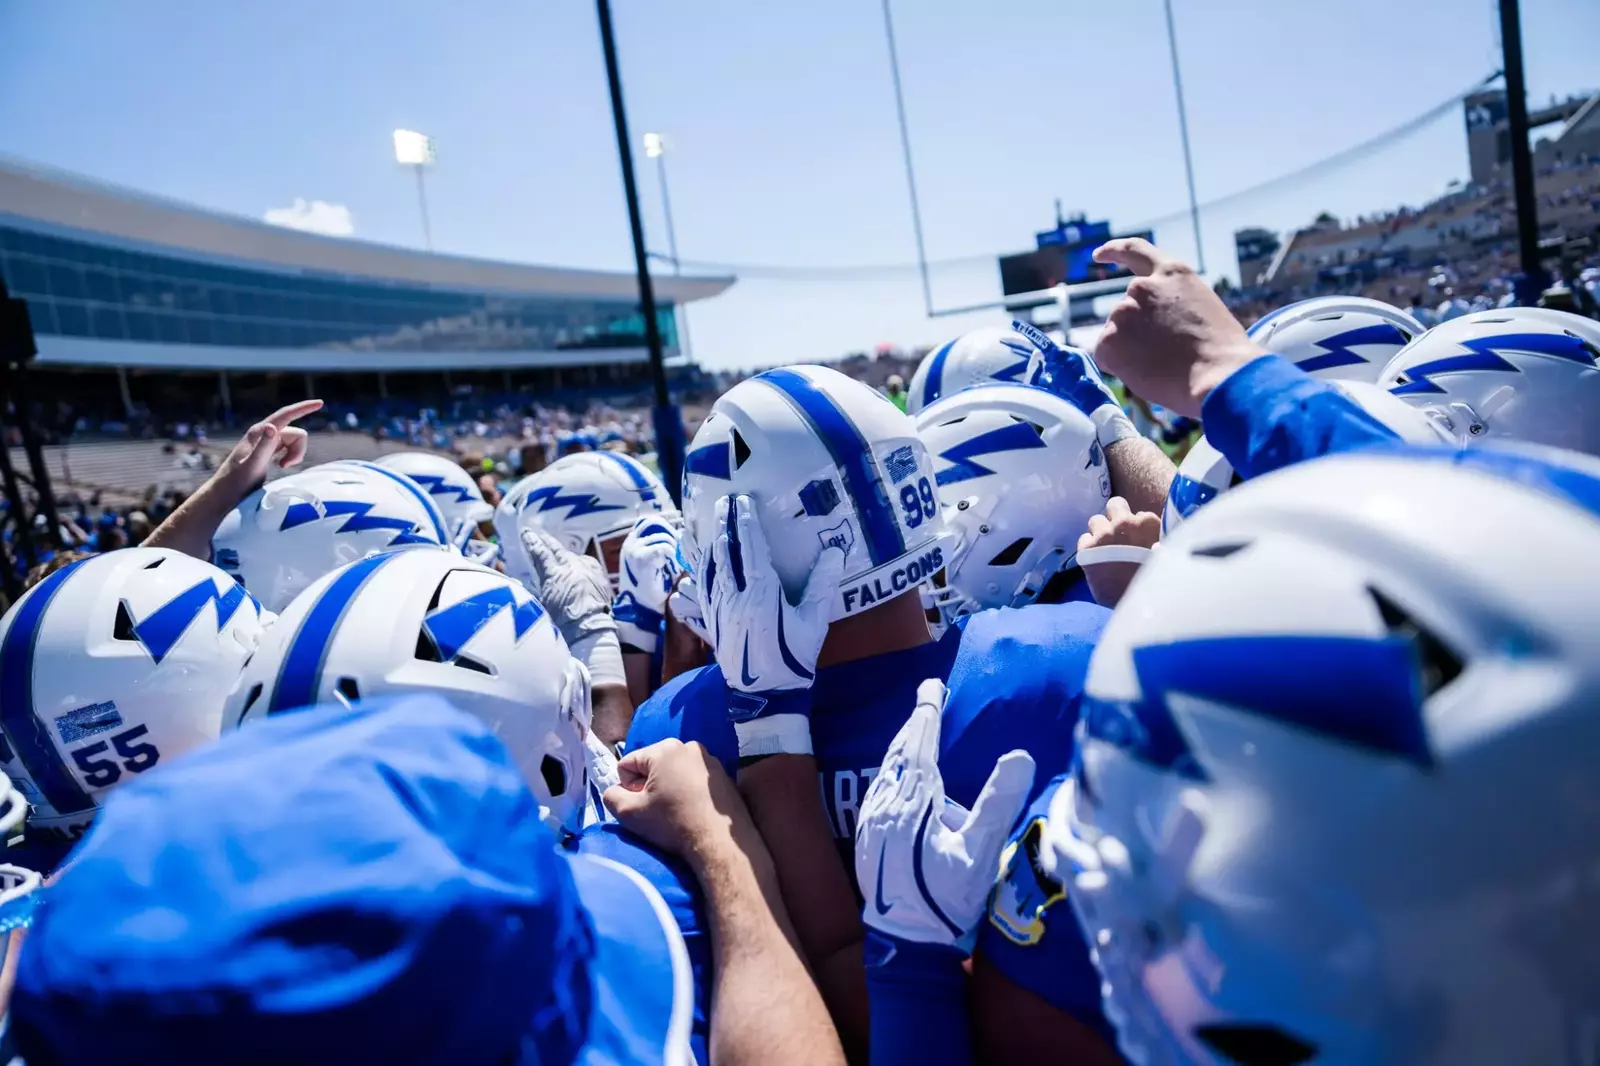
x,y
121,283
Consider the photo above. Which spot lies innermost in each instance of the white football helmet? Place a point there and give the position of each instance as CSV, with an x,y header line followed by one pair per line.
x,y
454,491
512,558
1337,338
1522,373
589,501
989,354
827,460
1331,795
293,530
110,666
1205,472
1019,474
418,621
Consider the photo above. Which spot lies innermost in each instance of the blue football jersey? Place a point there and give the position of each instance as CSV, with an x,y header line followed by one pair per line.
x,y
1015,678
681,892
1029,932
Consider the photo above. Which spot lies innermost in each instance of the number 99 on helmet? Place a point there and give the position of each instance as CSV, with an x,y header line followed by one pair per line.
x,y
827,461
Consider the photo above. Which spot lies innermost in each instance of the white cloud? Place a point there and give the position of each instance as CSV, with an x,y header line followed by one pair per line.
x,y
314,216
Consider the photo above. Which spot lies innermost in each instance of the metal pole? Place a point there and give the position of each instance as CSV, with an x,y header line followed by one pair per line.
x,y
668,426
1183,132
905,147
672,249
1531,284
422,202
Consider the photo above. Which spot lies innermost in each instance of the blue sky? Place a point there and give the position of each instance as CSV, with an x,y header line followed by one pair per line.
x,y
781,121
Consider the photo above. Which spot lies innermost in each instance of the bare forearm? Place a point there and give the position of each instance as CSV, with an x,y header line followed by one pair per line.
x,y
1141,473
782,795
190,528
613,712
765,1007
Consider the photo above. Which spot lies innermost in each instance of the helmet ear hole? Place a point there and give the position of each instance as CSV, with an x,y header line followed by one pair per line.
x,y
1255,1045
122,628
1439,665
741,450
349,689
1011,552
250,700
427,650
554,774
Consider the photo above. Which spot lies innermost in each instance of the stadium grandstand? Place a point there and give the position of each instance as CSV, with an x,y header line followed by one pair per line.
x,y
1458,252
150,313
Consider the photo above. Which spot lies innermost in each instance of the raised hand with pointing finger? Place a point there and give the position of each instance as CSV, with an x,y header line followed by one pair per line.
x,y
1171,339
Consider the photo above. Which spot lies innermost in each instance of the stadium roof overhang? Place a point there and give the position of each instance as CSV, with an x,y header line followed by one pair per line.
x,y
53,198
66,352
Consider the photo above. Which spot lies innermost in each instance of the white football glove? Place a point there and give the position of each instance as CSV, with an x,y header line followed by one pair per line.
x,y
649,562
1071,374
648,567
684,606
576,591
925,863
766,646
603,773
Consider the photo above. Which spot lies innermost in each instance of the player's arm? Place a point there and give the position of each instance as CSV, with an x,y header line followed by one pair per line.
x,y
272,441
576,591
1140,471
926,865
764,1006
686,644
1174,342
786,807
1015,1024
769,703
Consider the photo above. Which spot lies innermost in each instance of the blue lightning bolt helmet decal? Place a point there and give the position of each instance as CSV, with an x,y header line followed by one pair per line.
x,y
358,518
549,498
963,457
1483,354
161,629
450,628
1338,347
436,485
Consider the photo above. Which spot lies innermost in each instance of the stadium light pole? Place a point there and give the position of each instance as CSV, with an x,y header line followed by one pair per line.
x,y
416,150
655,147
905,150
1183,133
1530,284
668,423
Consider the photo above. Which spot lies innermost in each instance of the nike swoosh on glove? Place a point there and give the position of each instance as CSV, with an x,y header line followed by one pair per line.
x,y
1071,374
924,862
572,587
766,646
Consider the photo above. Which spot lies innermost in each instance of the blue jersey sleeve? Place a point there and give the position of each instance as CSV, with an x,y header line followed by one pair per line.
x,y
1270,414
1016,683
1030,933
681,892
917,995
692,706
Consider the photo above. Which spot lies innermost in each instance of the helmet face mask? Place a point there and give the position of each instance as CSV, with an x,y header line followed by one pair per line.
x,y
826,461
